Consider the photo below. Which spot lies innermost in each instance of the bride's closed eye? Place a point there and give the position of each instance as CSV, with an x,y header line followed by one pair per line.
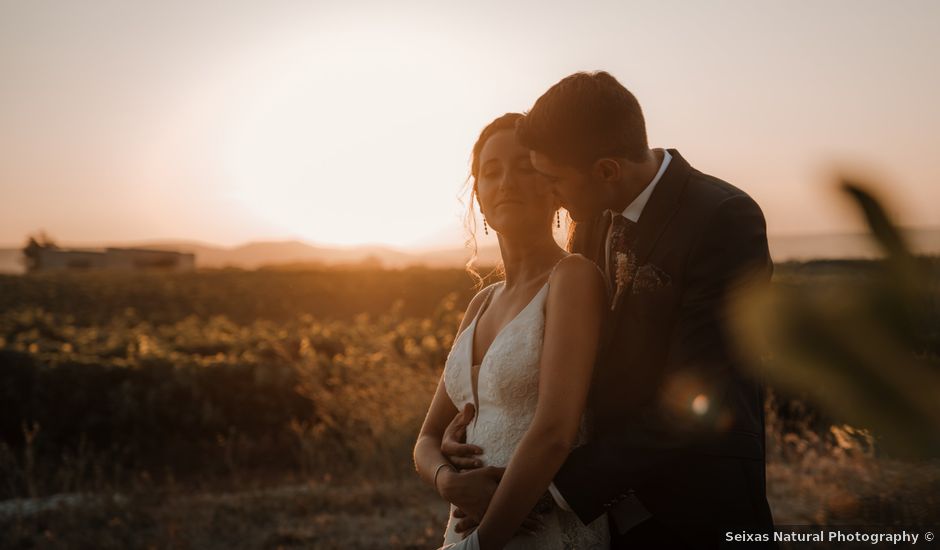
x,y
525,170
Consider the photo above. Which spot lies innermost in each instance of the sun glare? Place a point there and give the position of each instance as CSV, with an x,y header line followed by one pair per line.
x,y
341,148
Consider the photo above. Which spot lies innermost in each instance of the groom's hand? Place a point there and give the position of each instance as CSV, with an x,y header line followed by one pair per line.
x,y
453,444
530,525
471,490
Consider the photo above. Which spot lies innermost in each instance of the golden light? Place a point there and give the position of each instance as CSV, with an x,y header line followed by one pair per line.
x,y
350,147
700,404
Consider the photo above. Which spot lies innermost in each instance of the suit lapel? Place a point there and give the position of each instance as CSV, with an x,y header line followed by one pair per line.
x,y
662,205
658,212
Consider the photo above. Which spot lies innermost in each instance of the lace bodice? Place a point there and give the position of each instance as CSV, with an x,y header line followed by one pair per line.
x,y
507,394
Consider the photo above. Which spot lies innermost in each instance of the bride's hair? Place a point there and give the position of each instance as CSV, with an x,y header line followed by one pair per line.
x,y
505,122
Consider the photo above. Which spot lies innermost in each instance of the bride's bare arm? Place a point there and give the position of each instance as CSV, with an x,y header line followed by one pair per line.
x,y
573,317
427,451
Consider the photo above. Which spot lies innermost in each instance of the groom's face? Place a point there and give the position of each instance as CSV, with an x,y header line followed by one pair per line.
x,y
571,185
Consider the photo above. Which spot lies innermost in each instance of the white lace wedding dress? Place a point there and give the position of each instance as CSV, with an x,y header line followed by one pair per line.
x,y
507,392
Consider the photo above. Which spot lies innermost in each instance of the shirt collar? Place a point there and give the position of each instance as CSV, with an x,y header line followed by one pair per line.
x,y
634,209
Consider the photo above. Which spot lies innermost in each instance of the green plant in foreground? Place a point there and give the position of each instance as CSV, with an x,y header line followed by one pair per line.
x,y
855,346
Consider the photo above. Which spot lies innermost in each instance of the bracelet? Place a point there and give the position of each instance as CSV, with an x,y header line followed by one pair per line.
x,y
438,470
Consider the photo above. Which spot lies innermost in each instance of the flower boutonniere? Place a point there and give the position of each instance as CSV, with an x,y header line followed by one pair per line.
x,y
625,266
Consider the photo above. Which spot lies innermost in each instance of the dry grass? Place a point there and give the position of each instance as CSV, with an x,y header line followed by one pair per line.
x,y
397,514
834,479
839,478
344,397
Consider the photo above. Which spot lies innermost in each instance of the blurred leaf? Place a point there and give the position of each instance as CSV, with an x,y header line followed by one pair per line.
x,y
855,345
880,224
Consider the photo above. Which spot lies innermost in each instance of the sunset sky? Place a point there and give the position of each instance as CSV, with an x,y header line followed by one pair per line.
x,y
345,123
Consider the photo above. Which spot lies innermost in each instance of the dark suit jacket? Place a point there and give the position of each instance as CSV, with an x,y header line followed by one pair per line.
x,y
698,470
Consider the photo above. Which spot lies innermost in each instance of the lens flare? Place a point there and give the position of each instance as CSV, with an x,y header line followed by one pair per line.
x,y
700,404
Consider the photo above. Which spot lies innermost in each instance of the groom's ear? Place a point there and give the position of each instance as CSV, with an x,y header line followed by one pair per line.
x,y
606,170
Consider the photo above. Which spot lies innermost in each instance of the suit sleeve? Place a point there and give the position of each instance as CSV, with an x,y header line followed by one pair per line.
x,y
731,249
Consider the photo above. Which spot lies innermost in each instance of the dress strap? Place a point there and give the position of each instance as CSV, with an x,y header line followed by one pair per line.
x,y
554,267
486,301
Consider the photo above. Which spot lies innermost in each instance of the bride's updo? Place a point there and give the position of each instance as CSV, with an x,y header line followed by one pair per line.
x,y
505,122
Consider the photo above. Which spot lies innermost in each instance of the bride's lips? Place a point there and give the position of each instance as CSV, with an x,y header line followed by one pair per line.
x,y
509,201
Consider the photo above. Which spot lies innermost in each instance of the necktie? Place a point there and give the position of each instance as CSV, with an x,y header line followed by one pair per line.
x,y
622,232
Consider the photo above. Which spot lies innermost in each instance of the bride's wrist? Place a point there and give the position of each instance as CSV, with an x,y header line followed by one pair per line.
x,y
442,475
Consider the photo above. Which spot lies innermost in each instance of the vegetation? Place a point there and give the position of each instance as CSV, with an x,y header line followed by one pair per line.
x,y
242,297
199,396
866,348
224,409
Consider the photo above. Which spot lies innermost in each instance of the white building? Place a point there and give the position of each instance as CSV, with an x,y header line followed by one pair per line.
x,y
125,259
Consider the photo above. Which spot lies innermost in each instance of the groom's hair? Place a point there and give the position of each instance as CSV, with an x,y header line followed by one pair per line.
x,y
584,117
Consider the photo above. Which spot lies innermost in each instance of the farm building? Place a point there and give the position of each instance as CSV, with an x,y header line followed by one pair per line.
x,y
51,258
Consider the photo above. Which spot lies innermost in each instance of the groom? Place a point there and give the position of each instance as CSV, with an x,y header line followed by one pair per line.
x,y
676,453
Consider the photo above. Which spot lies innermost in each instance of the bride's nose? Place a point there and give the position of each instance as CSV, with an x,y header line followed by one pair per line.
x,y
509,181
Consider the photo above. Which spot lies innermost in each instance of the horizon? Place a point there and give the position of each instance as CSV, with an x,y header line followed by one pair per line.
x,y
861,232
784,248
350,126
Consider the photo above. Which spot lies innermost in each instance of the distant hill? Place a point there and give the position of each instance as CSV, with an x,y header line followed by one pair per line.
x,y
257,254
267,253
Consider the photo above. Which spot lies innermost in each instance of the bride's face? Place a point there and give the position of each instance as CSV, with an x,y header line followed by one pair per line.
x,y
514,198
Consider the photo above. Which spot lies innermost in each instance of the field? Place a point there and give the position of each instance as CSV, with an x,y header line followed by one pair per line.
x,y
278,408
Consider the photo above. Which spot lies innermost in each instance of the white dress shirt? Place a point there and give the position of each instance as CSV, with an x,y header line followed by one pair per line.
x,y
632,212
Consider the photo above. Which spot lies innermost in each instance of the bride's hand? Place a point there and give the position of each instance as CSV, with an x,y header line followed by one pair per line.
x,y
453,444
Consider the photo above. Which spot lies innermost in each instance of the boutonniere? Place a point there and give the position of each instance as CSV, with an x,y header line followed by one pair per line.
x,y
625,267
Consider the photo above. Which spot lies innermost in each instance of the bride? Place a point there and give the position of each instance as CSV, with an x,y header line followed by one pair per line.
x,y
523,357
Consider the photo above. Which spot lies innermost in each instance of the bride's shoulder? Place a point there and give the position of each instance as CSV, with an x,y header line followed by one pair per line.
x,y
576,269
576,278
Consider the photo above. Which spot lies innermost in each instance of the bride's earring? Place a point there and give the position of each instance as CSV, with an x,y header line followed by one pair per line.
x,y
558,219
486,229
